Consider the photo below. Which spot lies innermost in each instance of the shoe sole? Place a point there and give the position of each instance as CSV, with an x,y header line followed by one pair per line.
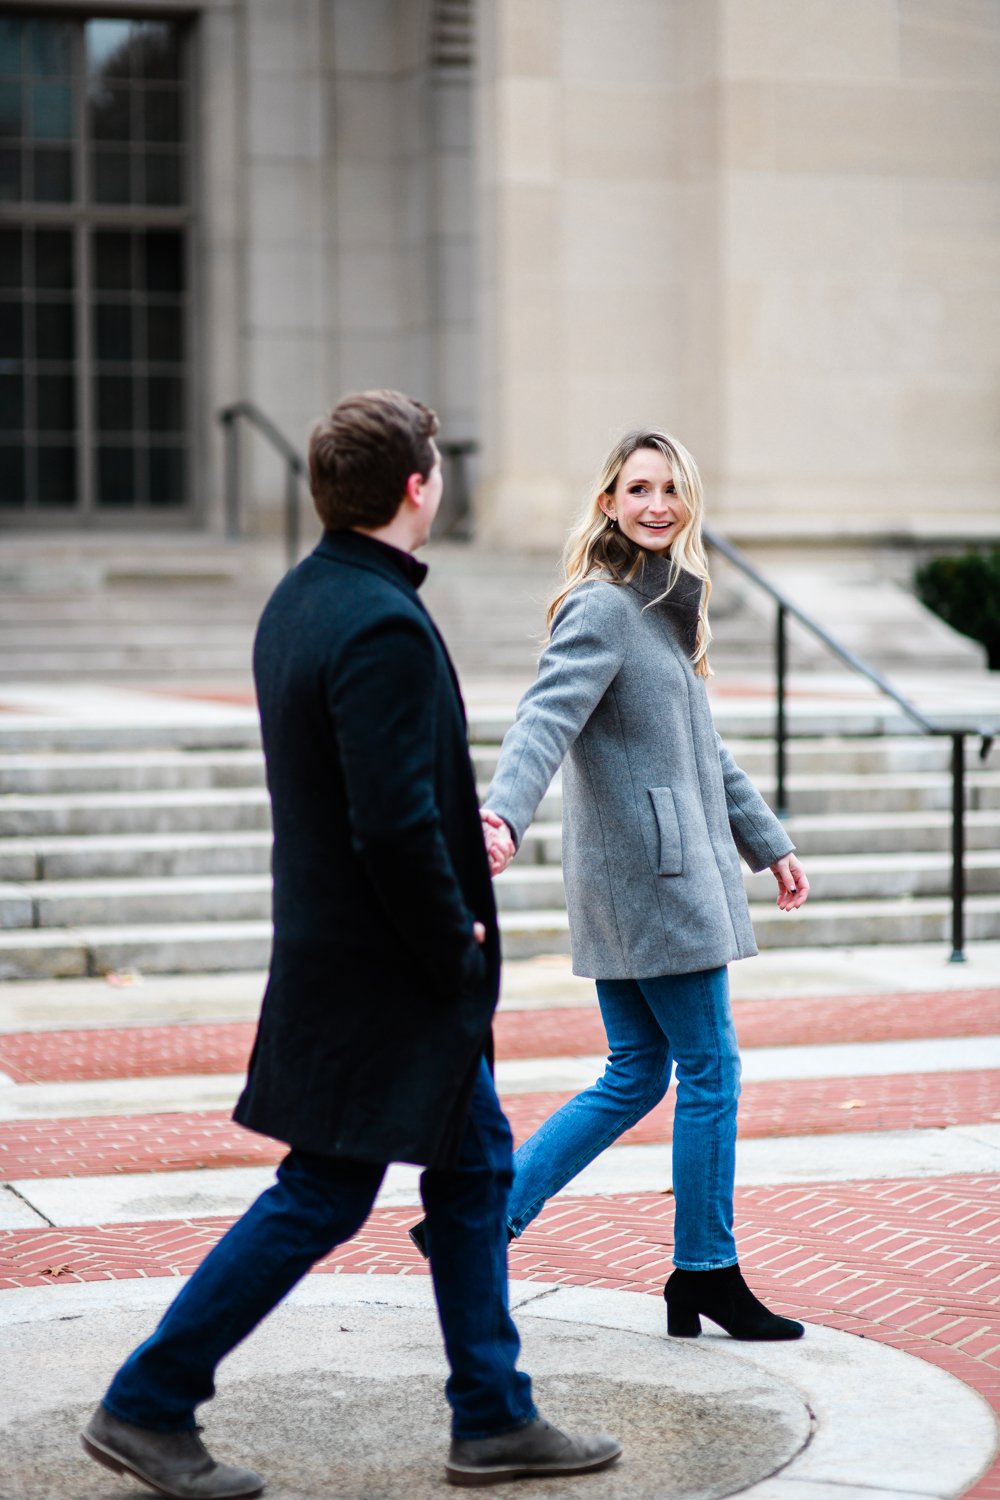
x,y
119,1465
501,1473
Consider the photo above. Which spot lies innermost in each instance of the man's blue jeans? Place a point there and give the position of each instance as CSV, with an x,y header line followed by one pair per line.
x,y
317,1203
680,1022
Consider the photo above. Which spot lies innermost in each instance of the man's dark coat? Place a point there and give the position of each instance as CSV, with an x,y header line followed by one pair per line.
x,y
379,1000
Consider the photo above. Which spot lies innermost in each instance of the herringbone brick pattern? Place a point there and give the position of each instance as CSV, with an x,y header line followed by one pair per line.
x,y
913,1263
161,1051
208,1138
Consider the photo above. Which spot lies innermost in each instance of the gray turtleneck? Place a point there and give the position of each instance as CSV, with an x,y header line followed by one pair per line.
x,y
654,806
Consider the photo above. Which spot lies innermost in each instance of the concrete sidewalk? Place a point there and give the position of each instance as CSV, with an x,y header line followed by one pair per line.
x,y
340,1394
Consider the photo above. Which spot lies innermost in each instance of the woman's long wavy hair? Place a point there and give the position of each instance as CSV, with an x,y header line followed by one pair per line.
x,y
597,549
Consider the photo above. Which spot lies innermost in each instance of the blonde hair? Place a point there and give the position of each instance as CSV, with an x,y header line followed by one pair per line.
x,y
597,548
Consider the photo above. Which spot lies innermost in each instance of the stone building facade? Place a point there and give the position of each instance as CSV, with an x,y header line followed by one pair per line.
x,y
769,225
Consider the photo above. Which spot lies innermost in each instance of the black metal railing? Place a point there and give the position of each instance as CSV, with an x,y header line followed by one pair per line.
x,y
230,418
957,733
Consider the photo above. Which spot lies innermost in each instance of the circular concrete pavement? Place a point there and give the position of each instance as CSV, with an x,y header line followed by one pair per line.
x,y
340,1395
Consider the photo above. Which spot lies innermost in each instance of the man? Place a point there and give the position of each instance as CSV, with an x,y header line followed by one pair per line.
x,y
374,1035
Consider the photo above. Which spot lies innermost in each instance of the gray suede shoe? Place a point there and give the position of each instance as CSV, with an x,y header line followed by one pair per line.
x,y
533,1452
174,1463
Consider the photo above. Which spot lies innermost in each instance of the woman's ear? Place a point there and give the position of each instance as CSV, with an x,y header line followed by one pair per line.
x,y
607,504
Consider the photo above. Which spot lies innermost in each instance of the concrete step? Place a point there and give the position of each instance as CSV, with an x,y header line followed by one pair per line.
x,y
832,878
864,833
128,855
822,925
214,947
874,794
819,757
82,903
132,771
222,728
102,813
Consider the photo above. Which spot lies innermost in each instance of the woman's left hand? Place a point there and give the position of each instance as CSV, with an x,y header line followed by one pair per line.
x,y
793,887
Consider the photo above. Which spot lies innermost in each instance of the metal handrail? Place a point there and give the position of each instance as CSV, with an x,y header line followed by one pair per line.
x,y
295,470
956,733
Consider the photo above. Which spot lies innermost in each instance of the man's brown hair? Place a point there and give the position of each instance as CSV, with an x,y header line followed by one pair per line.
x,y
362,454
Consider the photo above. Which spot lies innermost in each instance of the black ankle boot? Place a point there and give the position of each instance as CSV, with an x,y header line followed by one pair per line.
x,y
724,1297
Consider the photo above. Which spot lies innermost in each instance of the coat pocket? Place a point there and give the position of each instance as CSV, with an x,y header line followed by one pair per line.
x,y
671,852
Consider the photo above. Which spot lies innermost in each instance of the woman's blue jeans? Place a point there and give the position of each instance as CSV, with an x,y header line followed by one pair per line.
x,y
679,1022
317,1203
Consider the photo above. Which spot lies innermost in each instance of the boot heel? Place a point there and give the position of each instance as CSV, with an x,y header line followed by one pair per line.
x,y
683,1322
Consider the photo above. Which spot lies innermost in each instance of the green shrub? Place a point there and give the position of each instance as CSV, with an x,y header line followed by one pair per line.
x,y
965,592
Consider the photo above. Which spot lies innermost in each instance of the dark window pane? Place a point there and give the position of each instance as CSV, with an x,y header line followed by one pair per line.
x,y
11,334
113,255
11,109
114,403
166,403
10,257
54,403
110,176
10,47
162,116
12,486
52,111
114,332
54,331
11,403
156,51
50,48
108,49
163,177
111,113
56,469
53,176
115,476
166,476
10,176
53,260
164,334
164,261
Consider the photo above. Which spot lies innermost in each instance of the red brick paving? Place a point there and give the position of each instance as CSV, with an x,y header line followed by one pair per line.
x,y
91,1146
162,1051
912,1263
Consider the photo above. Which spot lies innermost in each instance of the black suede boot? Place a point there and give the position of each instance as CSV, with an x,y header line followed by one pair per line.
x,y
724,1297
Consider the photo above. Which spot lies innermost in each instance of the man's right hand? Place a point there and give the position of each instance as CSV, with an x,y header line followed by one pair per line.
x,y
500,849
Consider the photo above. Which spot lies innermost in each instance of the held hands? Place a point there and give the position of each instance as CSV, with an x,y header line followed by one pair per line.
x,y
793,887
500,848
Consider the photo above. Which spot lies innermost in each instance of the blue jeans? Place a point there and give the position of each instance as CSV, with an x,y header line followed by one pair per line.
x,y
317,1203
680,1022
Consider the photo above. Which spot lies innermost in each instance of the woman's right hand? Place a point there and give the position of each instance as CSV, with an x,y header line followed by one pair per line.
x,y
500,849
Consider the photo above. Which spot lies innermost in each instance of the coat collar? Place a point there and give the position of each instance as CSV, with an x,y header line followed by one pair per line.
x,y
681,604
366,552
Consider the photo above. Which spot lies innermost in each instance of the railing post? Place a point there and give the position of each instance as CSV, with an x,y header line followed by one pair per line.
x,y
957,849
291,514
232,474
780,732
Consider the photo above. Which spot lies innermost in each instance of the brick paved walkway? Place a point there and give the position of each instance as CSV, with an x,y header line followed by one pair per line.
x,y
914,1263
161,1051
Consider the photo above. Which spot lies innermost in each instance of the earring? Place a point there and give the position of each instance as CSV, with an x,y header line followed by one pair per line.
x,y
614,523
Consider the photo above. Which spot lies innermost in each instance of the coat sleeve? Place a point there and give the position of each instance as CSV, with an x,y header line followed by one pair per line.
x,y
382,698
759,836
582,659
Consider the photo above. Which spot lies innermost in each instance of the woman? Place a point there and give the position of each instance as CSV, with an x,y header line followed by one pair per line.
x,y
655,810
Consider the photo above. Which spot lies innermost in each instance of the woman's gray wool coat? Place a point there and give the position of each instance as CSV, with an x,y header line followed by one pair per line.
x,y
654,806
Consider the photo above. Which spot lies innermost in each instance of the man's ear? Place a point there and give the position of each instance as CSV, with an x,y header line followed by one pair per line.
x,y
414,491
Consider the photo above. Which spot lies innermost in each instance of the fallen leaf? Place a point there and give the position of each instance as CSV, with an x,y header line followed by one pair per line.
x,y
57,1270
852,1104
123,978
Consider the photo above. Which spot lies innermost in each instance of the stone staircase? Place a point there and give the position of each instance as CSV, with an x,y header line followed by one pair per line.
x,y
147,848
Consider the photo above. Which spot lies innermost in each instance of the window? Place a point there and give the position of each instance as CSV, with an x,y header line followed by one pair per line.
x,y
95,288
